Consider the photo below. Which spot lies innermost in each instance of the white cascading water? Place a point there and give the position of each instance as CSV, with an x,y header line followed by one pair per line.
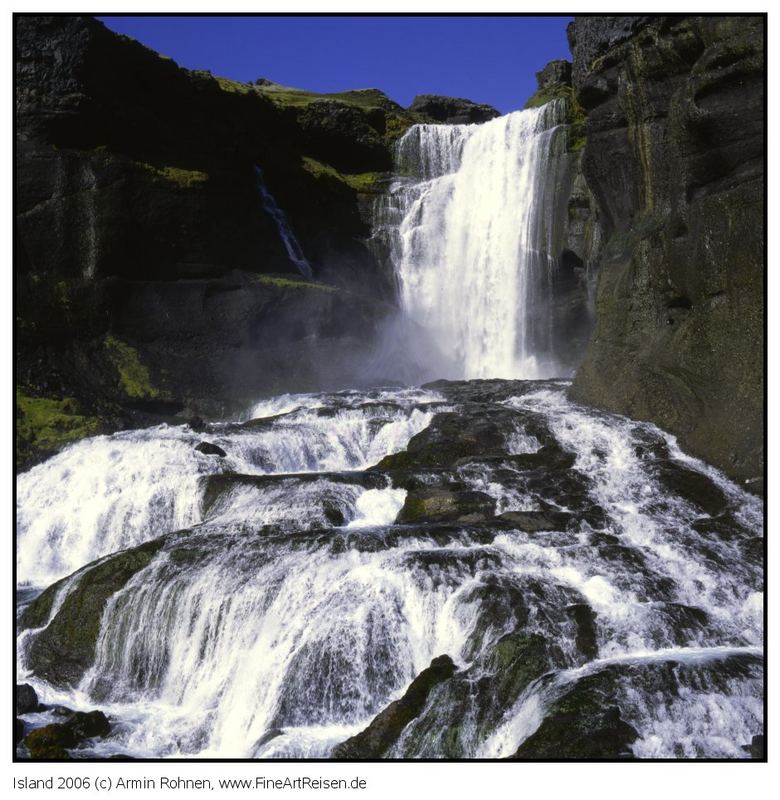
x,y
107,493
469,231
244,640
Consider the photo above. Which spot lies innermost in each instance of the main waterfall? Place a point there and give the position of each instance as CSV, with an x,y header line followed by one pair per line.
x,y
469,226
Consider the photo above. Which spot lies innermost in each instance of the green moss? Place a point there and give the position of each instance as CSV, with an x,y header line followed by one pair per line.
x,y
45,424
289,282
133,375
185,178
320,170
290,96
363,182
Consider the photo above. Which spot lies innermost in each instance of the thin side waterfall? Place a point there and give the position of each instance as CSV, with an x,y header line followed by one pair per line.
x,y
291,244
470,239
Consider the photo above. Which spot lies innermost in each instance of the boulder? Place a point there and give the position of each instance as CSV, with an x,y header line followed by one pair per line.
x,y
52,742
209,449
444,505
26,699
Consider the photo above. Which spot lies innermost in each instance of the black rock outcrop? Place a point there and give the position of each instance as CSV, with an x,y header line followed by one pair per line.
x,y
452,110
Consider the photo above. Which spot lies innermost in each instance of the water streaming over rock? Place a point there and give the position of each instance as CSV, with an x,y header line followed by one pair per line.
x,y
291,245
469,229
570,562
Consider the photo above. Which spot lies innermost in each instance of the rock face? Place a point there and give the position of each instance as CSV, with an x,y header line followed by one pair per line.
x,y
452,110
674,158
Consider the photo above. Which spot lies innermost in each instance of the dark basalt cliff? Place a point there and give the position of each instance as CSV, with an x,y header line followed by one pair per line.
x,y
675,159
149,279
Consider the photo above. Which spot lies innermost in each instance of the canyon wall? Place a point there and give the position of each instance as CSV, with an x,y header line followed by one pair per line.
x,y
674,156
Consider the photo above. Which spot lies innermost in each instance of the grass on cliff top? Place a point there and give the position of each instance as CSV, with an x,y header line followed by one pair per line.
x,y
291,282
397,119
291,96
46,424
133,375
365,182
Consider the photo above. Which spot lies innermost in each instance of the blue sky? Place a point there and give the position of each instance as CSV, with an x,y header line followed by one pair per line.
x,y
487,59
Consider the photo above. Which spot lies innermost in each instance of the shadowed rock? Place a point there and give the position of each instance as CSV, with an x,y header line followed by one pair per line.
x,y
387,726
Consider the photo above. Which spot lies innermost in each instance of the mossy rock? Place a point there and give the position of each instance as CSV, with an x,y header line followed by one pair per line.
x,y
583,724
65,649
290,282
132,374
45,425
51,742
575,114
444,505
517,659
454,438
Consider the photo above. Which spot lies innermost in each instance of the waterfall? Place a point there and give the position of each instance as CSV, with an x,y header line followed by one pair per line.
x,y
291,245
470,228
294,608
107,493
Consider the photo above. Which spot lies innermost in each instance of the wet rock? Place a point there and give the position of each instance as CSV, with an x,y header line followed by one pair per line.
x,y
18,730
693,486
333,514
517,659
535,521
474,433
756,749
64,650
387,726
585,619
26,699
580,726
685,621
442,505
52,742
197,424
209,449
273,733
550,457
